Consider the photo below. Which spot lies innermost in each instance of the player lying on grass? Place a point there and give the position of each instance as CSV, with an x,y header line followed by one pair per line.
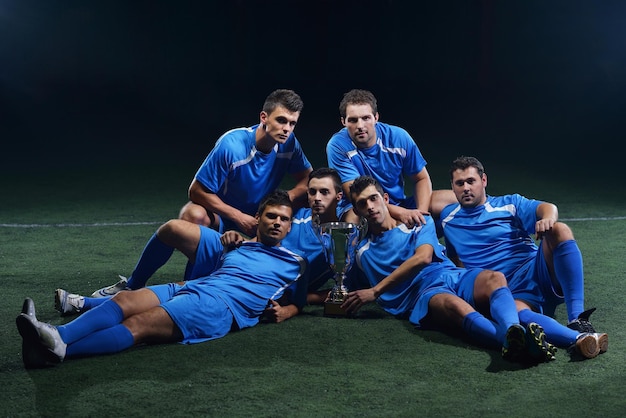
x,y
495,232
232,297
406,272
203,247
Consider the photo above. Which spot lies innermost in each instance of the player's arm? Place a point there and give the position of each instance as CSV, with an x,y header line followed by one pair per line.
x,y
547,215
278,313
297,194
439,200
406,271
202,196
422,189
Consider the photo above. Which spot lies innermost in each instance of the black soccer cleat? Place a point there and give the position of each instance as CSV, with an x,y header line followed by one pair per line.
x,y
582,324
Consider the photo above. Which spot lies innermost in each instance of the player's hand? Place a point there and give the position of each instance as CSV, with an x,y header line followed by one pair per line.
x,y
357,299
543,226
412,217
231,239
247,224
277,313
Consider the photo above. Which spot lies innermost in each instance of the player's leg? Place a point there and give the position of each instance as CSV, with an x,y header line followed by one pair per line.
x,y
565,264
197,214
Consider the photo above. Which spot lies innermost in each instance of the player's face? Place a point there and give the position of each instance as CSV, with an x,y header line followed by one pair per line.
x,y
371,205
280,123
469,187
322,196
274,224
360,121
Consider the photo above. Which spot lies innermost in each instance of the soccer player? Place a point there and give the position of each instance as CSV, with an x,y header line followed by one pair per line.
x,y
385,152
232,297
246,164
483,231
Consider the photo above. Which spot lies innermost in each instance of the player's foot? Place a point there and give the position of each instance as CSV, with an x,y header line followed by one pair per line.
x,y
514,348
582,324
68,303
111,290
42,345
590,344
540,350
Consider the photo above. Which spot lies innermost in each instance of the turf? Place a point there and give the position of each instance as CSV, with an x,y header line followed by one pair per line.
x,y
373,365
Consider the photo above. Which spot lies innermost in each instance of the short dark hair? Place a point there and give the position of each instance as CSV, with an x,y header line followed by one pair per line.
x,y
463,163
288,99
357,97
362,182
323,172
278,197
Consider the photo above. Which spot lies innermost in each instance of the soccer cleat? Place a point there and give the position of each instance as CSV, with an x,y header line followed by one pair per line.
x,y
42,345
540,350
590,344
514,348
112,290
28,307
68,303
582,324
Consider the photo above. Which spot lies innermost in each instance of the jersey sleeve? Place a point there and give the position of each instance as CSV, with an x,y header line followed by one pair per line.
x,y
214,171
526,211
338,158
414,161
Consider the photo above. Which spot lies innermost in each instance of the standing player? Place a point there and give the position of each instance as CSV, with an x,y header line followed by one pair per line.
x,y
232,297
483,231
367,147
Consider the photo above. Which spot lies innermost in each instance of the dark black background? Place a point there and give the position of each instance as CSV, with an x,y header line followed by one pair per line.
x,y
85,83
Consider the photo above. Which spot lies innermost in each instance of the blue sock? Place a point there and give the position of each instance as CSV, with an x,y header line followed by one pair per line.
x,y
104,316
106,341
503,310
155,254
91,303
556,333
481,329
568,267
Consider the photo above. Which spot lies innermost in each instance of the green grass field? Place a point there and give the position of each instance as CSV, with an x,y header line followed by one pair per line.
x,y
373,365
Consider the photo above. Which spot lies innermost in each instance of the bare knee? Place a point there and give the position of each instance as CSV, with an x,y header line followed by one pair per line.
x,y
197,214
560,232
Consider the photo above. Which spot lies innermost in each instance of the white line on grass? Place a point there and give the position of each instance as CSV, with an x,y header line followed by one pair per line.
x,y
97,224
101,224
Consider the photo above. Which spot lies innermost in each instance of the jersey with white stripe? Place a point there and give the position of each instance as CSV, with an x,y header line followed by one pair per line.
x,y
493,236
250,276
393,156
378,256
241,175
304,240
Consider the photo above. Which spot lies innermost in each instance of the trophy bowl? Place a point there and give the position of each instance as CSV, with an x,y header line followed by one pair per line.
x,y
340,240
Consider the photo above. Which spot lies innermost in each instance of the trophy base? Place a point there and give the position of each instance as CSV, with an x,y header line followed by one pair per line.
x,y
334,310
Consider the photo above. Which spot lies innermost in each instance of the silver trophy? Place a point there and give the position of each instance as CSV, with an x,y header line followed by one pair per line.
x,y
340,240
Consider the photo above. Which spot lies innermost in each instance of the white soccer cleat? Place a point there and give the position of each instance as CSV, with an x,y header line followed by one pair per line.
x,y
68,303
112,290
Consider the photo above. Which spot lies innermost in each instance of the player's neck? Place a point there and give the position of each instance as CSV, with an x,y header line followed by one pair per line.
x,y
263,141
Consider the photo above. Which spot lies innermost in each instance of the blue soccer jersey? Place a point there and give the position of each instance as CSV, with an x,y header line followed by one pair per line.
x,y
305,241
378,256
494,236
393,156
241,175
248,278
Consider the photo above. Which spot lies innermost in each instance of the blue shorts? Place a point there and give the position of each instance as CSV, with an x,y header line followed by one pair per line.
x,y
458,282
199,317
532,283
208,254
